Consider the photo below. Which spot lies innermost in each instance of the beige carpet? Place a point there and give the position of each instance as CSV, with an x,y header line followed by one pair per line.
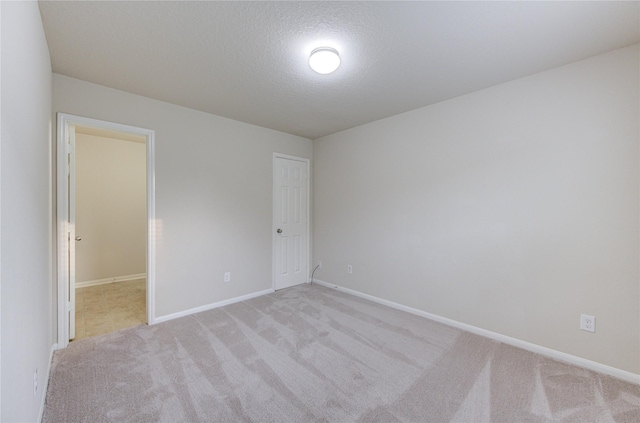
x,y
309,353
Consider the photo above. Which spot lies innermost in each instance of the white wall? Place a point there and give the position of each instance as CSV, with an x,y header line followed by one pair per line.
x,y
26,273
213,192
111,207
512,209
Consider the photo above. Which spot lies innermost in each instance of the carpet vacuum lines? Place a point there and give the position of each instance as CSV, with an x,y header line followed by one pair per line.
x,y
314,354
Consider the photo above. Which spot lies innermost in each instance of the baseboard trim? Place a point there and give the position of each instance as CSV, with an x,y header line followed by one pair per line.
x,y
548,352
111,280
45,385
211,306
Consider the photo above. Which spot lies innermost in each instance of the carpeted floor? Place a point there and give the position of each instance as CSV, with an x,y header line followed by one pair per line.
x,y
309,353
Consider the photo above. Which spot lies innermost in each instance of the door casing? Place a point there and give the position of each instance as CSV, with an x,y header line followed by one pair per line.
x,y
62,217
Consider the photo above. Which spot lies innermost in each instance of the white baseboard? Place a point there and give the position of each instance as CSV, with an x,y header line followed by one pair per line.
x,y
211,306
111,280
548,352
54,347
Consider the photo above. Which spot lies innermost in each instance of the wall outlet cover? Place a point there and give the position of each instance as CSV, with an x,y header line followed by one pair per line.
x,y
587,323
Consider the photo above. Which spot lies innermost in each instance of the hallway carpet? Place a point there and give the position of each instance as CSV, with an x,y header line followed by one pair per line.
x,y
102,309
313,354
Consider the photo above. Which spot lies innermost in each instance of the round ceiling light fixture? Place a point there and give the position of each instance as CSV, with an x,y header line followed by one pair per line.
x,y
324,60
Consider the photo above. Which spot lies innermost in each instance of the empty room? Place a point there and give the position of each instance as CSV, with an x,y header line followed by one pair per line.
x,y
343,211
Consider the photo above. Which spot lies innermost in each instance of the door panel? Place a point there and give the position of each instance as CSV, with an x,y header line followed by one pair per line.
x,y
291,222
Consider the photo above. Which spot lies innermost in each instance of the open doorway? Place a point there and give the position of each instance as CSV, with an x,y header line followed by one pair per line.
x,y
105,227
110,226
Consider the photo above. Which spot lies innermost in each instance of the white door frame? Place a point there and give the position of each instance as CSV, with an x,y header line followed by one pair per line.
x,y
274,238
62,230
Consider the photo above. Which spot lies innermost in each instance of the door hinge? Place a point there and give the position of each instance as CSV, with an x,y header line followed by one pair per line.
x,y
70,307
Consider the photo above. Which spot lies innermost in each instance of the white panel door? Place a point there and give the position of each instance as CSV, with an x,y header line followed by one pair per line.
x,y
291,222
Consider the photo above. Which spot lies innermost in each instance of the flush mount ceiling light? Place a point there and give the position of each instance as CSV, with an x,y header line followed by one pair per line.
x,y
324,60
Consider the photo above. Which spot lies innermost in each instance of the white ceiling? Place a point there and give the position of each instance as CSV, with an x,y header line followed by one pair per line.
x,y
248,60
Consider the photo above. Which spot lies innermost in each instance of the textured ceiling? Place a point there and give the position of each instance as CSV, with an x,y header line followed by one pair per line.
x,y
248,60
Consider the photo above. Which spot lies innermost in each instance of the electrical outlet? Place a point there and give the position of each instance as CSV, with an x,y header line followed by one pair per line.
x,y
227,276
319,264
35,382
349,269
587,323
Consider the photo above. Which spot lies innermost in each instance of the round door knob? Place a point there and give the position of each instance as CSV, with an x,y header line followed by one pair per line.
x,y
279,231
